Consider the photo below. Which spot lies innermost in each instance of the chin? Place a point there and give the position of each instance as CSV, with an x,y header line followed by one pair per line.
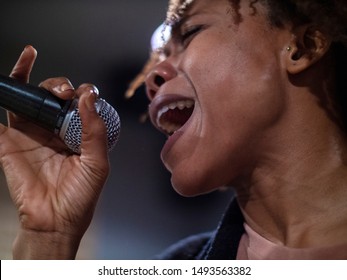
x,y
191,187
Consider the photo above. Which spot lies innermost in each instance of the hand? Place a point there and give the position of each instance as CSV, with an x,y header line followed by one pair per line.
x,y
54,190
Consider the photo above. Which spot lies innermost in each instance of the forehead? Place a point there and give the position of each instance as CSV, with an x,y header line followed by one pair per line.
x,y
175,12
178,11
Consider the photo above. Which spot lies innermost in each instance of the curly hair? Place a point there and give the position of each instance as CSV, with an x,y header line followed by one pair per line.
x,y
329,16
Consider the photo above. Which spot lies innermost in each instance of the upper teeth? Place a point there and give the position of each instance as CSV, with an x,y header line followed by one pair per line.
x,y
180,105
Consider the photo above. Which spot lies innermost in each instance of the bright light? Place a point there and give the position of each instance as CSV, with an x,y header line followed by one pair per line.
x,y
160,36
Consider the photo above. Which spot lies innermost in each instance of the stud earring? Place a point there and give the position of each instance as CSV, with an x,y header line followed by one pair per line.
x,y
289,48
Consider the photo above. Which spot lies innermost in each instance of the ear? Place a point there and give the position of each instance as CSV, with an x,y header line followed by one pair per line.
x,y
308,45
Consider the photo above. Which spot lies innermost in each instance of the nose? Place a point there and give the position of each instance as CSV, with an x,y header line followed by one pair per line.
x,y
160,74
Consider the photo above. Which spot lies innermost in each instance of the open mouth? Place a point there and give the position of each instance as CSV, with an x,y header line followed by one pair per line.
x,y
173,116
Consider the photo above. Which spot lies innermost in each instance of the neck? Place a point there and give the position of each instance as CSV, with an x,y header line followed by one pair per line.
x,y
296,194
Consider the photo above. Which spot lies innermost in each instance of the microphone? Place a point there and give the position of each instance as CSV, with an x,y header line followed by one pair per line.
x,y
59,116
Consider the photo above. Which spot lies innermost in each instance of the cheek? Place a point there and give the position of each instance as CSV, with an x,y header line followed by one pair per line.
x,y
227,63
238,100
236,86
239,97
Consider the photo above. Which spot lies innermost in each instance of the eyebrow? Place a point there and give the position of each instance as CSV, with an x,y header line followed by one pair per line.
x,y
177,25
190,12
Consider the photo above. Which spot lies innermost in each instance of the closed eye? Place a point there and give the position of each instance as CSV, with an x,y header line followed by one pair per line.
x,y
188,34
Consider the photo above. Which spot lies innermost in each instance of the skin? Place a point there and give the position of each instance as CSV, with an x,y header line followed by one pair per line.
x,y
54,210
244,113
258,125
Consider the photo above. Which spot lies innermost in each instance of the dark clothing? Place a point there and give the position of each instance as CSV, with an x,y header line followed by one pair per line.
x,y
221,244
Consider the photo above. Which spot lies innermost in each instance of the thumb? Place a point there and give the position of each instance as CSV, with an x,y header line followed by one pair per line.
x,y
22,69
94,150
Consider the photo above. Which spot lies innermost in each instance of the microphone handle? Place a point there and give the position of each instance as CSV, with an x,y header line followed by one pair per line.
x,y
33,103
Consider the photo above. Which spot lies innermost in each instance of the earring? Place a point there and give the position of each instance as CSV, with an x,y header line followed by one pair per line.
x,y
289,48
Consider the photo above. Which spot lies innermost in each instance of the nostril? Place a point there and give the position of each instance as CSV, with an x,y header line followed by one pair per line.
x,y
158,80
151,94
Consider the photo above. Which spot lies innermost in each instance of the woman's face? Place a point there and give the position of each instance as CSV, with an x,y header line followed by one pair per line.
x,y
217,94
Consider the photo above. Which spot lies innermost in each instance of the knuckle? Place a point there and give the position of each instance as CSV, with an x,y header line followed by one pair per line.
x,y
87,88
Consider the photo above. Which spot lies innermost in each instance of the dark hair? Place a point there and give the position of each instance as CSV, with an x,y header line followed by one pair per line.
x,y
329,16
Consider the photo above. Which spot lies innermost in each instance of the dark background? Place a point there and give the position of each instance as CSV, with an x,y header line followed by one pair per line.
x,y
106,42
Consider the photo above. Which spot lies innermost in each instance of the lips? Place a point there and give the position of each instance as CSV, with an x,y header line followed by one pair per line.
x,y
170,112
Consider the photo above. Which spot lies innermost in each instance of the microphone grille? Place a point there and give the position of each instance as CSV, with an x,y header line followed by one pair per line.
x,y
71,131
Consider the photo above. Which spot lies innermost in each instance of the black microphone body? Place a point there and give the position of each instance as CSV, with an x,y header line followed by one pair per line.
x,y
59,116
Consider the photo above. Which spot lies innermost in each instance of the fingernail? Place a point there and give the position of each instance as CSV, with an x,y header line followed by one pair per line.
x,y
94,90
66,86
90,101
29,47
25,48
63,87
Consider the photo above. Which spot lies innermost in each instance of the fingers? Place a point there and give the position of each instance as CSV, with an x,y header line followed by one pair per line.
x,y
21,72
86,89
60,87
63,88
94,133
22,69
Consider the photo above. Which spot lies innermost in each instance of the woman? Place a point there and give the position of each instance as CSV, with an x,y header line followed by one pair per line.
x,y
250,94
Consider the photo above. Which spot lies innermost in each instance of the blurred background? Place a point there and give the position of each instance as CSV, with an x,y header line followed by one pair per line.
x,y
106,42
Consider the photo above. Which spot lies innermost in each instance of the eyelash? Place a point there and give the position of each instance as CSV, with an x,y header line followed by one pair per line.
x,y
189,33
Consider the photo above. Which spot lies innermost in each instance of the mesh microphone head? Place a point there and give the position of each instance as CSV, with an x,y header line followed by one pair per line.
x,y
71,130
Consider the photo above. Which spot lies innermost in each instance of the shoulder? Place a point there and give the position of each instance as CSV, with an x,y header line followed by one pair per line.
x,y
189,248
219,244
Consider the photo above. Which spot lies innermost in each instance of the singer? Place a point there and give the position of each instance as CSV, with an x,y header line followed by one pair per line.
x,y
251,95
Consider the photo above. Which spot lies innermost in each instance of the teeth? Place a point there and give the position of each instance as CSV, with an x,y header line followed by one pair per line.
x,y
169,127
181,105
172,106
